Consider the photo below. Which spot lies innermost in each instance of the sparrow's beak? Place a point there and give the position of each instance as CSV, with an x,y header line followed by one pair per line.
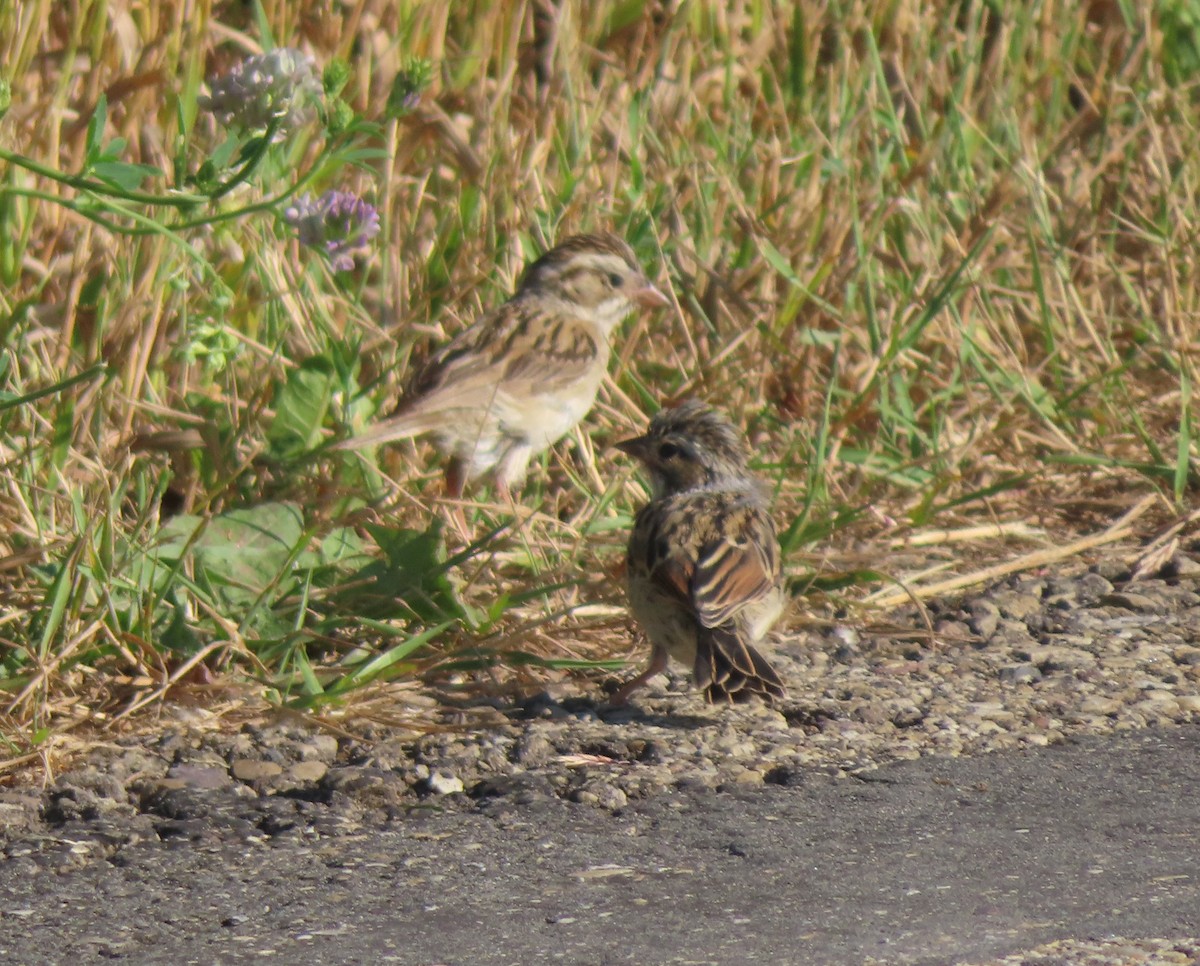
x,y
648,297
635,447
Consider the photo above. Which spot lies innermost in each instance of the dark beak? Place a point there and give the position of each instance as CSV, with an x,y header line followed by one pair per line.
x,y
635,447
648,297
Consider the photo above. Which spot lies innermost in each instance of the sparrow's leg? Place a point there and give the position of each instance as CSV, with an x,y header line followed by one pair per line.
x,y
658,664
456,479
511,469
509,474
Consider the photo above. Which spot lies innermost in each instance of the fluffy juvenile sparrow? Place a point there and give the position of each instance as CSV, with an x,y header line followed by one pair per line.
x,y
703,566
523,375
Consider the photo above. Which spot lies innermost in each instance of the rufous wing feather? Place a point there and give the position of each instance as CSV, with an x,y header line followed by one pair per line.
x,y
735,570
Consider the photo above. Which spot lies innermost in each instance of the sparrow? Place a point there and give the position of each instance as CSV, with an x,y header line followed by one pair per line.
x,y
702,570
522,376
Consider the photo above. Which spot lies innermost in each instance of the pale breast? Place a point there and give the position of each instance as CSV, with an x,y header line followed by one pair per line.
x,y
543,418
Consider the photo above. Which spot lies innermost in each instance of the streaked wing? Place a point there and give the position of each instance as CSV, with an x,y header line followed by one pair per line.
x,y
469,353
711,555
517,352
557,353
717,555
519,348
666,554
737,566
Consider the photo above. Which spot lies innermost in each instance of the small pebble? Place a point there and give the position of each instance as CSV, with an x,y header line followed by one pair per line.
x,y
441,784
253,769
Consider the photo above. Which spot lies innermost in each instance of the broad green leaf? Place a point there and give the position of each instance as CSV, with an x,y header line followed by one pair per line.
x,y
300,408
123,174
412,579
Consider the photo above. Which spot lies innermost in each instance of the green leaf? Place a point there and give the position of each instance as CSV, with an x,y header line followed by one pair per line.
x,y
57,599
376,666
10,400
1183,446
831,582
624,14
412,581
242,560
776,259
113,150
563,663
123,174
341,549
95,133
797,61
251,148
312,684
803,530
263,24
300,408
64,432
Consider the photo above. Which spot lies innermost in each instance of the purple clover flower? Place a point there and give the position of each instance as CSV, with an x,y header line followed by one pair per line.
x,y
339,223
278,86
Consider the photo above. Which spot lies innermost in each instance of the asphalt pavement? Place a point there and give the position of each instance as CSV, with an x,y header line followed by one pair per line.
x,y
929,861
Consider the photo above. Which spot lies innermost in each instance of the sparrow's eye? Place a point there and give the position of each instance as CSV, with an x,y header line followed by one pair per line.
x,y
615,280
668,451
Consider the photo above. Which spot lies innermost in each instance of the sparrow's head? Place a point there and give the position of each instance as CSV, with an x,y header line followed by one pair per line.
x,y
690,446
595,275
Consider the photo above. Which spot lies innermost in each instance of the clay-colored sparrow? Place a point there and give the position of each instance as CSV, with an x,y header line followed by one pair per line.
x,y
525,374
703,567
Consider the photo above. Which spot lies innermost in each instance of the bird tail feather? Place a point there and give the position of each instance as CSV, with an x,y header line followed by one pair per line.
x,y
403,426
730,670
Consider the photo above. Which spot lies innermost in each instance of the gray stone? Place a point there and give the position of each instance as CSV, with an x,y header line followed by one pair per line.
x,y
1050,657
1186,655
1093,585
985,618
600,793
319,747
1027,673
308,771
1139,603
200,776
1017,605
1011,633
534,749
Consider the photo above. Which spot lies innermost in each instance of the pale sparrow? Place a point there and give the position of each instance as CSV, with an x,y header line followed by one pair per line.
x,y
522,376
703,565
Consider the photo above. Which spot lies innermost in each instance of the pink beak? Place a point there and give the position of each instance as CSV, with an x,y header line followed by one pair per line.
x,y
648,297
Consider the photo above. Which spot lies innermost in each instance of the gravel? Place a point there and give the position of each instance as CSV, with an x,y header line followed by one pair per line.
x,y
1030,661
1114,951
